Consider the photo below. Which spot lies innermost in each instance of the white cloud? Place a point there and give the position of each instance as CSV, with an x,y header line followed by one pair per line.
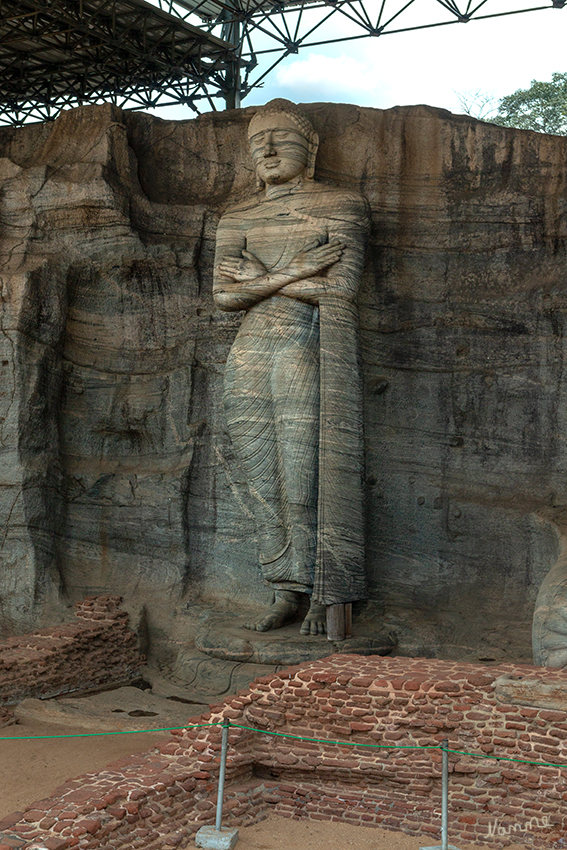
x,y
326,77
496,56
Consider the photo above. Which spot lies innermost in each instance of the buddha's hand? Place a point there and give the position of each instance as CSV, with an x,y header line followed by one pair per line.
x,y
246,267
315,258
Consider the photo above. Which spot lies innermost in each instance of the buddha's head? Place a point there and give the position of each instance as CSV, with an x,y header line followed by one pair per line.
x,y
283,143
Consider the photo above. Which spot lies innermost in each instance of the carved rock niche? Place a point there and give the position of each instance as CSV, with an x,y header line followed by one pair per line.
x,y
117,474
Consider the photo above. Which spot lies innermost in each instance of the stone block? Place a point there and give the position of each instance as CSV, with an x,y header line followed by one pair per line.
x,y
216,839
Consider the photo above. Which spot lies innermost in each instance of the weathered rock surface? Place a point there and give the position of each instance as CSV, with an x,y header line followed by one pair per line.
x,y
224,636
117,710
517,690
116,472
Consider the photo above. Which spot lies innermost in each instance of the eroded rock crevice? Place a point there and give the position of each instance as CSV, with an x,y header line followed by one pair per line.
x,y
116,471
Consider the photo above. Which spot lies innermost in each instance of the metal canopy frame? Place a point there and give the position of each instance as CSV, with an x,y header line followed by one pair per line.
x,y
200,53
57,53
273,29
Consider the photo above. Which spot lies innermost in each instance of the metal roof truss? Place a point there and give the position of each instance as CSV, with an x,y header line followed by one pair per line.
x,y
202,53
55,53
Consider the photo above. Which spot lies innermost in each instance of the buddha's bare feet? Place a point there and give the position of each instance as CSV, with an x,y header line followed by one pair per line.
x,y
283,611
315,623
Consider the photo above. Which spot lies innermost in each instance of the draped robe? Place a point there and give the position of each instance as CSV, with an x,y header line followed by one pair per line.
x,y
293,396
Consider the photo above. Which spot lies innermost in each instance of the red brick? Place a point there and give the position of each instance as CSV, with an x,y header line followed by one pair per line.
x,y
328,678
553,715
447,687
89,824
362,681
117,812
33,815
357,726
54,843
479,680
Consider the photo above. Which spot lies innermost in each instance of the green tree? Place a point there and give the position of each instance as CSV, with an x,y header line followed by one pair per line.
x,y
542,107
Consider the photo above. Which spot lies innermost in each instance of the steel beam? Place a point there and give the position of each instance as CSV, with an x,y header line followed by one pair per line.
x,y
54,53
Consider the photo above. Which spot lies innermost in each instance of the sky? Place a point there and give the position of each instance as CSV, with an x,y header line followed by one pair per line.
x,y
493,57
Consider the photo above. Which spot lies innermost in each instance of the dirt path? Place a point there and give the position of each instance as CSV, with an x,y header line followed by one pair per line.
x,y
31,770
277,832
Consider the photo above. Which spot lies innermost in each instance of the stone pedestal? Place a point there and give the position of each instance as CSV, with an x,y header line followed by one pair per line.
x,y
216,839
223,636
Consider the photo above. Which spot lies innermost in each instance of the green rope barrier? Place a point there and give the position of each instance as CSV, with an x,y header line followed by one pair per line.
x,y
101,734
508,758
394,747
288,735
326,741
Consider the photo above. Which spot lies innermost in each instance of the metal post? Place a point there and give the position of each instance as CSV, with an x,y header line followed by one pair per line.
x,y
219,837
444,800
445,795
224,750
232,32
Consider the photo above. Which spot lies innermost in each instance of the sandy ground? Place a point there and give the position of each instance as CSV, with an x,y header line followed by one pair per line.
x,y
31,770
275,832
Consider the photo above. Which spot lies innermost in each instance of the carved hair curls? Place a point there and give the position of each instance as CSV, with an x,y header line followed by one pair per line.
x,y
281,106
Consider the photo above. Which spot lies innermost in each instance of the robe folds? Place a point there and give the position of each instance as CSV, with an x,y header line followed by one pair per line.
x,y
293,393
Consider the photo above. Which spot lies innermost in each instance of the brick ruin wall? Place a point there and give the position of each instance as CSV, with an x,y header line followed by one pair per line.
x,y
157,800
96,650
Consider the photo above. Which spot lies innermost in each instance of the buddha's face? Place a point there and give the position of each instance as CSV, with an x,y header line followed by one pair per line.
x,y
279,151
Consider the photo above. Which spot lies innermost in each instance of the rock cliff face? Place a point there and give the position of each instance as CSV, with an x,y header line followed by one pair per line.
x,y
116,472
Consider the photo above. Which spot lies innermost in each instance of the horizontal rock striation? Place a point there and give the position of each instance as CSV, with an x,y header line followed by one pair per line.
x,y
116,472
